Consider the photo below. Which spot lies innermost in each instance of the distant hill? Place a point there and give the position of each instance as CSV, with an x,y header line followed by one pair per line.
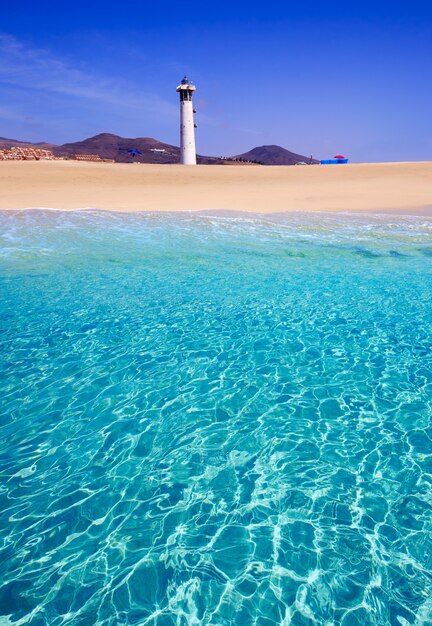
x,y
5,144
109,146
274,155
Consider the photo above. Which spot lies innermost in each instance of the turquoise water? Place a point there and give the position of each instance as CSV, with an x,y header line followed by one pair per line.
x,y
215,420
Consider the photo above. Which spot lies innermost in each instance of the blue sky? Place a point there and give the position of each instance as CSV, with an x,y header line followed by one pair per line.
x,y
318,78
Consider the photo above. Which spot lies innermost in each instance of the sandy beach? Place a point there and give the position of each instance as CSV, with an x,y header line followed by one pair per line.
x,y
394,187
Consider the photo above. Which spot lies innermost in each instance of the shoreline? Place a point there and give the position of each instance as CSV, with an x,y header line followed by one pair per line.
x,y
234,213
385,188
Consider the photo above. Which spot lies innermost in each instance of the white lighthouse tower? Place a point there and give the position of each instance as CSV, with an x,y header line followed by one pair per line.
x,y
187,126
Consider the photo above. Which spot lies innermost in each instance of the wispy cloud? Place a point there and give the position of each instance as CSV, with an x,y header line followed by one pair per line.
x,y
39,69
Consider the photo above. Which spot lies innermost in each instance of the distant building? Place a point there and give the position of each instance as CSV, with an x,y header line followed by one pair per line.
x,y
96,158
15,153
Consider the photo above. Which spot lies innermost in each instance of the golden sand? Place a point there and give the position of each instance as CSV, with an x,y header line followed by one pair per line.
x,y
399,187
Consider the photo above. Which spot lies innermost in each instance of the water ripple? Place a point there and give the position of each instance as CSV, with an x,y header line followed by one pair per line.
x,y
215,420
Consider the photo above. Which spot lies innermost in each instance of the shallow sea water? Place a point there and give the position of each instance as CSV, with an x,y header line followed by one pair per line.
x,y
215,420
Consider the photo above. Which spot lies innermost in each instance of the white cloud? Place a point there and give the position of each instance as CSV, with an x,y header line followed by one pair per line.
x,y
38,69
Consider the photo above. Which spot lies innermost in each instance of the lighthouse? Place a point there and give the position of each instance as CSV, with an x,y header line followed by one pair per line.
x,y
187,126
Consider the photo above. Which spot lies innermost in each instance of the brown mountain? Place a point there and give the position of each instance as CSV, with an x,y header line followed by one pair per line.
x,y
274,155
110,146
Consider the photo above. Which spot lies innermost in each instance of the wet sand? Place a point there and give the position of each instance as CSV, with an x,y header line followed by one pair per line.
x,y
377,187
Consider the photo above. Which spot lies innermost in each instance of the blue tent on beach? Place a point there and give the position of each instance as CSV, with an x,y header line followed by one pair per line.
x,y
339,158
